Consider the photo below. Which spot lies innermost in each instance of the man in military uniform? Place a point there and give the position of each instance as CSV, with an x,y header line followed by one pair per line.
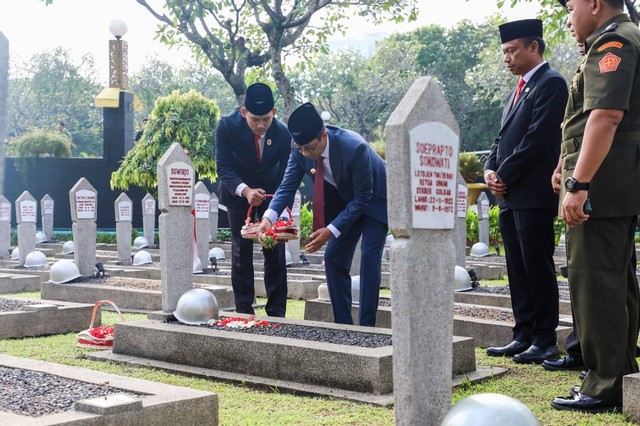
x,y
600,200
252,150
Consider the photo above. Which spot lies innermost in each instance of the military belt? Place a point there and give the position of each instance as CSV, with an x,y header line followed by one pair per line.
x,y
630,137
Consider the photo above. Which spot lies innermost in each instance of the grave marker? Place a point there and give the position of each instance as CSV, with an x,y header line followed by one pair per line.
x,y
124,215
149,218
4,75
5,227
83,200
460,228
176,178
46,209
26,213
423,133
483,218
293,246
214,205
202,199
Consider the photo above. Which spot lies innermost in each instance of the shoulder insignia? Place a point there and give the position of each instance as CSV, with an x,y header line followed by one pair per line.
x,y
615,44
609,63
611,27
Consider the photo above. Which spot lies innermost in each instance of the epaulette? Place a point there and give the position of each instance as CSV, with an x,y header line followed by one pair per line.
x,y
610,28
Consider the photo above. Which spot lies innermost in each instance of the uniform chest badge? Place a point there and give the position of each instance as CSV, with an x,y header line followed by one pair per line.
x,y
609,63
268,141
313,171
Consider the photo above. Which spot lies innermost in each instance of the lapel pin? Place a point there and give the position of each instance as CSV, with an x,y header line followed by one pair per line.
x,y
313,171
527,90
268,141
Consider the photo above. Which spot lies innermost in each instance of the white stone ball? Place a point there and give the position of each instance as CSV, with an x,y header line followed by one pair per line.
x,y
325,115
40,237
15,254
68,247
489,409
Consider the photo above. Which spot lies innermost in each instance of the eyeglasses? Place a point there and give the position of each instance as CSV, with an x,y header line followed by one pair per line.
x,y
310,147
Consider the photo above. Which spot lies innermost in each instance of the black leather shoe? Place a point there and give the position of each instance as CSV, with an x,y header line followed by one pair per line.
x,y
584,403
583,374
574,390
568,363
511,349
537,355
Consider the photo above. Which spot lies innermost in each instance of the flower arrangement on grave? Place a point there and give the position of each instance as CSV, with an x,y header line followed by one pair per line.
x,y
241,323
282,230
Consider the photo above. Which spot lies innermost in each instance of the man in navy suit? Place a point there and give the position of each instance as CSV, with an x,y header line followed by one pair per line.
x,y
354,187
518,171
252,149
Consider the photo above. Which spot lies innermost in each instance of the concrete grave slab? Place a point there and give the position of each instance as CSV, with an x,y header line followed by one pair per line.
x,y
157,404
44,320
311,367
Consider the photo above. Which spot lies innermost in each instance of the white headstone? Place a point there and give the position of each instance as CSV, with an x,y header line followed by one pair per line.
x,y
202,198
460,228
4,75
422,132
176,178
46,209
5,227
149,218
83,200
26,213
214,206
483,218
123,207
293,246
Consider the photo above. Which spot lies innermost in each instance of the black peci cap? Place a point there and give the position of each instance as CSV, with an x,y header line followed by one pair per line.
x,y
259,99
518,29
563,3
304,124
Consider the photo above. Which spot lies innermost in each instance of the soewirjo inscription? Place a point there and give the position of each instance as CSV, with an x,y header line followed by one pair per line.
x,y
180,178
150,207
47,207
295,210
461,203
214,204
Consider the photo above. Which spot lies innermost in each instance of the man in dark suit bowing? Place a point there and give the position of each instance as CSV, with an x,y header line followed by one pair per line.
x,y
518,171
252,149
349,201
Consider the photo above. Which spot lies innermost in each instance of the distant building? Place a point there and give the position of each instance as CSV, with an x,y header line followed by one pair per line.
x,y
364,43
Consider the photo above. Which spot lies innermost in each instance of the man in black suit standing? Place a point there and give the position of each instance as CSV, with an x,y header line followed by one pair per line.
x,y
252,150
517,171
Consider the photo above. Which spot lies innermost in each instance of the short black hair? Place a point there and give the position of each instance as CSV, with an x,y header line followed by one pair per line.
x,y
616,4
541,44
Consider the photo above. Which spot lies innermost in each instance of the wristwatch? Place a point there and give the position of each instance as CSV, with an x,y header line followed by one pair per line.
x,y
572,185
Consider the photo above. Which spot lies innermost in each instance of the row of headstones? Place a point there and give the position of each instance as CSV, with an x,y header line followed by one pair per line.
x,y
26,213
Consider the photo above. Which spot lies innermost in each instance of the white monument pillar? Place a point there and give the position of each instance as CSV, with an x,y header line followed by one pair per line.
x,y
5,227
123,207
149,219
26,213
83,198
214,205
202,199
46,209
422,166
176,178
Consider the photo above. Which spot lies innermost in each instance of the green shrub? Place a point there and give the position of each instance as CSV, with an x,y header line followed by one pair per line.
x,y
42,143
495,238
470,166
306,223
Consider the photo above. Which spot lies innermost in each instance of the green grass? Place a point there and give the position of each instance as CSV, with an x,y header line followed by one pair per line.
x,y
243,405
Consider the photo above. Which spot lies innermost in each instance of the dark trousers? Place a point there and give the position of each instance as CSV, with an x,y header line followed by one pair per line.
x,y
338,257
528,238
242,275
604,293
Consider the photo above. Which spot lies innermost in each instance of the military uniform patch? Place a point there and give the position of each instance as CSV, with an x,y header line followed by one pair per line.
x,y
615,44
609,63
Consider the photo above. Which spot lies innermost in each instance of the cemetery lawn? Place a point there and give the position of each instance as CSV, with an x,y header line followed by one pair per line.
x,y
244,405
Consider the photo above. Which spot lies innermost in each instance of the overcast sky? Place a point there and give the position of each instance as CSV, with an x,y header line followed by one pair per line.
x,y
82,26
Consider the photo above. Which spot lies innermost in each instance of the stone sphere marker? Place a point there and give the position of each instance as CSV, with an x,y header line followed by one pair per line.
x,y
176,178
422,169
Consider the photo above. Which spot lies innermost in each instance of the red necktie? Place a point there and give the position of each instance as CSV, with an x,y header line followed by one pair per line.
x,y
521,84
256,139
318,197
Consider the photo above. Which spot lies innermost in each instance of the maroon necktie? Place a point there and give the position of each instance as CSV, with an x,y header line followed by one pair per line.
x,y
318,197
256,139
521,84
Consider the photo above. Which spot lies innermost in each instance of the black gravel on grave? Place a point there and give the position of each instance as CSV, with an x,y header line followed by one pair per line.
x,y
314,334
34,393
10,305
563,287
